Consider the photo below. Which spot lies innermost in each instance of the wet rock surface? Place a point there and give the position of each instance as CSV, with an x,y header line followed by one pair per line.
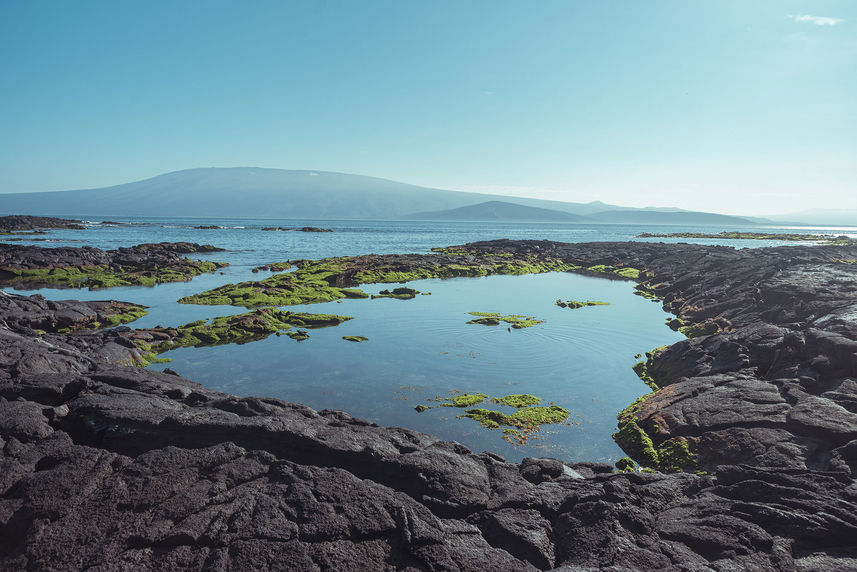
x,y
145,264
124,468
776,385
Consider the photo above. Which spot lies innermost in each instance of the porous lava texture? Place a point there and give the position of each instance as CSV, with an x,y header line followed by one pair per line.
x,y
112,467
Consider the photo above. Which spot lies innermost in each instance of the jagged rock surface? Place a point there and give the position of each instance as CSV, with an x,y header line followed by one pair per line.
x,y
125,468
27,222
143,259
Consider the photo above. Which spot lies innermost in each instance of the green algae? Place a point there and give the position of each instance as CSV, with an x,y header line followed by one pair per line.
x,y
518,427
696,330
103,276
516,321
575,304
145,355
355,338
671,455
243,328
525,417
330,279
298,335
461,400
646,292
632,438
518,400
674,455
626,465
113,315
645,370
306,285
623,272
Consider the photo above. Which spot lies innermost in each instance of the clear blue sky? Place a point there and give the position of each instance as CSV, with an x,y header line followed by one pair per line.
x,y
730,106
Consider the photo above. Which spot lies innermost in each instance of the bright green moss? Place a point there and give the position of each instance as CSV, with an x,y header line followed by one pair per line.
x,y
355,338
626,465
624,272
244,328
675,455
520,426
494,318
461,400
669,456
313,281
532,416
98,277
632,438
518,400
632,273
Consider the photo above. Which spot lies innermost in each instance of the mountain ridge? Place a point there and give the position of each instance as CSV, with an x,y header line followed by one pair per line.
x,y
280,193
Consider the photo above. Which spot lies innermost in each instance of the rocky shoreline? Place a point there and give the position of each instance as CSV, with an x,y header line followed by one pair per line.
x,y
120,467
86,266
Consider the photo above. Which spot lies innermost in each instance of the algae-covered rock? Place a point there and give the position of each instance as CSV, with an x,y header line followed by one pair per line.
x,y
494,318
355,338
242,328
401,293
298,335
93,268
518,400
520,426
329,279
575,304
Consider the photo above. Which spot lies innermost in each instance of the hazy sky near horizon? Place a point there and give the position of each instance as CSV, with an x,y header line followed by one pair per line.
x,y
730,106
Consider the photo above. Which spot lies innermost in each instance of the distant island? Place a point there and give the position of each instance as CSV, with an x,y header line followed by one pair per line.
x,y
500,210
300,194
791,237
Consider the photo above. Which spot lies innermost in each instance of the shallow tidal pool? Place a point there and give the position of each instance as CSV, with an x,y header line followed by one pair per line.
x,y
422,349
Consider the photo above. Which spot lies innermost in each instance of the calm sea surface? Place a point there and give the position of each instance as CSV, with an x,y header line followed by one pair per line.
x,y
421,348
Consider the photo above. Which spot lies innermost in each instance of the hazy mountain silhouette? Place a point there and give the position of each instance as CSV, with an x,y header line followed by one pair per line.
x,y
642,216
500,210
280,193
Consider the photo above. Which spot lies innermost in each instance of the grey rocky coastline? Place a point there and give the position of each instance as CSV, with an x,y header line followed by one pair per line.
x,y
112,467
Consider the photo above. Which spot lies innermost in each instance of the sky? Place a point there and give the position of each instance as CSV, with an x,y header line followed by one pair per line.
x,y
731,106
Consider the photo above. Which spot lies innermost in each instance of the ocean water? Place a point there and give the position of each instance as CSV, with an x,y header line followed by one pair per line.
x,y
422,348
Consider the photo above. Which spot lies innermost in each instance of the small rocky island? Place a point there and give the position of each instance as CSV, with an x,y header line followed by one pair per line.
x,y
13,223
88,267
744,455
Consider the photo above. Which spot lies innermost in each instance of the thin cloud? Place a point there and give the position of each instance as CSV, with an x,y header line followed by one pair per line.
x,y
817,20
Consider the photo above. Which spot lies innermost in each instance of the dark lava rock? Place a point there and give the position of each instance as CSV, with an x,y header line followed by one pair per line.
x,y
125,468
26,222
142,260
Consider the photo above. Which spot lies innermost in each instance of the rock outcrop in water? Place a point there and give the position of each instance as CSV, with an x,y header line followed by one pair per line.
x,y
70,267
120,467
26,222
